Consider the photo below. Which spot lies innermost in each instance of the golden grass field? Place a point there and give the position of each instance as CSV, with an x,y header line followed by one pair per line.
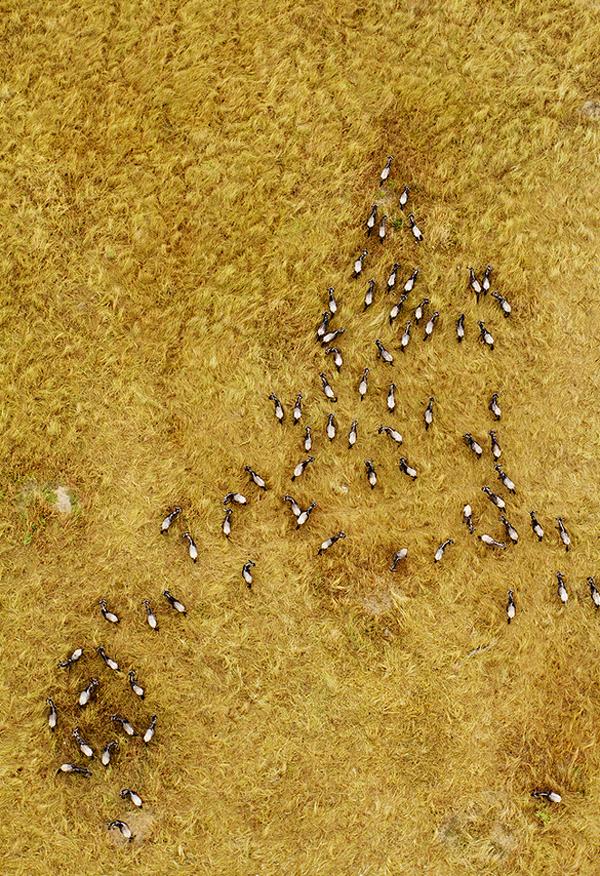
x,y
180,183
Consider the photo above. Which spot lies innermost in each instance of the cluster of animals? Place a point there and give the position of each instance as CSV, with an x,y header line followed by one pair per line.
x,y
327,336
88,694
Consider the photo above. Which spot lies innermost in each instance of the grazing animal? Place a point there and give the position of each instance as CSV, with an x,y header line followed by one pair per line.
x,y
564,535
495,498
107,751
337,357
125,725
256,478
247,574
511,608
70,661
460,328
371,473
150,616
383,353
594,593
468,518
391,433
371,219
428,414
503,303
325,545
386,170
382,229
304,515
322,326
238,498
510,530
135,686
296,413
397,308
122,827
192,549
398,557
441,549
352,434
112,664
473,444
226,525
150,730
485,336
496,449
76,770
331,301
331,427
416,231
327,388
171,516
495,407
410,283
562,588
174,603
110,616
535,525
301,467
133,796
391,397
358,263
391,280
407,469
364,384
88,692
420,309
485,280
475,284
504,478
279,414
552,796
53,714
491,542
405,339
369,295
84,746
403,200
296,509
330,337
307,439
430,325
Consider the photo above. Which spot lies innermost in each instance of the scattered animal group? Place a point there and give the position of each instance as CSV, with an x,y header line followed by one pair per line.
x,y
327,336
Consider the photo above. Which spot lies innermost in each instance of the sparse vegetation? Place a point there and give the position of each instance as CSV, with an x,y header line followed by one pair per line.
x,y
544,816
180,184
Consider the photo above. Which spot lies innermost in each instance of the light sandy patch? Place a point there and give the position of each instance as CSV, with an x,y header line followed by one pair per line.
x,y
591,109
63,500
378,603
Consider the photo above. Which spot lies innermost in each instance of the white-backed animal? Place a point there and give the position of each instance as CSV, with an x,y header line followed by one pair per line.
x,y
384,175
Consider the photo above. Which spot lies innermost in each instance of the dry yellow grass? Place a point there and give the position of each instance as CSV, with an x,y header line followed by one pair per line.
x,y
180,183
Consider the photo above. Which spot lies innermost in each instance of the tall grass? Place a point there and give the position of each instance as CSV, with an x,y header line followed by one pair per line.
x,y
181,183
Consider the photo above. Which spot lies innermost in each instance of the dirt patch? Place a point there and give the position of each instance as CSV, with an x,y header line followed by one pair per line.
x,y
340,488
480,829
591,109
56,498
378,603
63,500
